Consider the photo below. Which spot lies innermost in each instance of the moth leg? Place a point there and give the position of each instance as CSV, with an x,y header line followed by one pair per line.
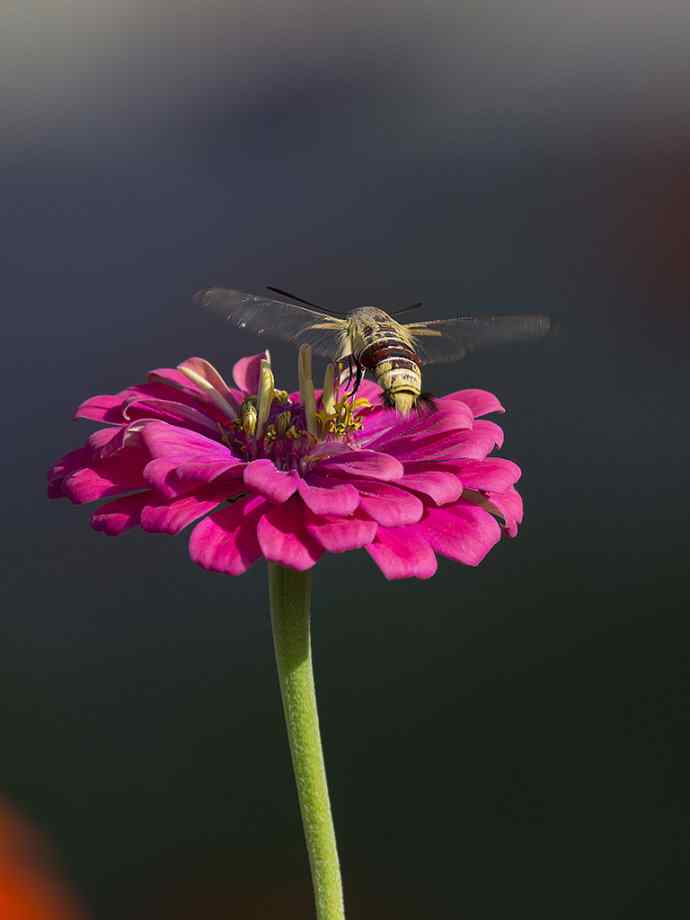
x,y
358,380
346,383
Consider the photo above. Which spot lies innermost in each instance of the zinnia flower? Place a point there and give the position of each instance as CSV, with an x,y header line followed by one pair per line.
x,y
287,477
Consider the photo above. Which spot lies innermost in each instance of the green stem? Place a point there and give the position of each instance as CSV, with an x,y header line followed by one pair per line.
x,y
290,594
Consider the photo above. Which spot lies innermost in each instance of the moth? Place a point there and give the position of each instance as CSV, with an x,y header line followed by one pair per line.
x,y
370,339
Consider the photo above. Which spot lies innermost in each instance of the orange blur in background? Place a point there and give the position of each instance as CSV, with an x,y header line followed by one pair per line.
x,y
30,888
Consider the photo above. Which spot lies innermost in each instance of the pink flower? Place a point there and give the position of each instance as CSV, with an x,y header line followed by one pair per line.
x,y
261,473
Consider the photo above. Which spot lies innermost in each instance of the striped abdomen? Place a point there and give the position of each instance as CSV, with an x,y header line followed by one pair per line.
x,y
394,364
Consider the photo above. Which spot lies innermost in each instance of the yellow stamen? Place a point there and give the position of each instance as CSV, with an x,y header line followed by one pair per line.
x,y
264,396
306,387
283,422
248,411
328,399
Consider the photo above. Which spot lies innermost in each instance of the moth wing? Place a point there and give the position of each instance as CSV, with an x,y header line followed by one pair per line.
x,y
442,340
276,318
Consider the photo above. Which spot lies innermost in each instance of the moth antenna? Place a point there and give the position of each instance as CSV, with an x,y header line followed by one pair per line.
x,y
307,303
414,306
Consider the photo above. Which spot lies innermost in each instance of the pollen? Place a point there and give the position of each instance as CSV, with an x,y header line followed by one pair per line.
x,y
343,418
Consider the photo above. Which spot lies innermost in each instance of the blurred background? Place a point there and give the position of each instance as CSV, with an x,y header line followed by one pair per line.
x,y
511,738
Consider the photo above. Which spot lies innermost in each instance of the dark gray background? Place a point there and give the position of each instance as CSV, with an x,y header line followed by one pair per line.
x,y
507,739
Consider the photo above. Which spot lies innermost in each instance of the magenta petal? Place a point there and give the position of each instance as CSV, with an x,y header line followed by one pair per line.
x,y
402,552
338,499
172,481
491,429
370,390
262,476
245,372
462,532
101,409
120,473
115,517
475,444
493,473
339,534
284,539
208,372
415,431
167,410
366,463
226,540
169,383
172,517
377,423
440,487
388,505
179,445
481,402
106,441
199,472
63,467
160,475
171,377
510,507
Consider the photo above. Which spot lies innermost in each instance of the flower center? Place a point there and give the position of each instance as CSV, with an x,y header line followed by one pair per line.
x,y
285,438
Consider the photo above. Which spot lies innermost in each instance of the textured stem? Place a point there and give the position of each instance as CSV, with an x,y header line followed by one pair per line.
x,y
290,594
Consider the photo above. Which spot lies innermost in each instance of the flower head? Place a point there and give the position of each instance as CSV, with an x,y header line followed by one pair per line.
x,y
287,477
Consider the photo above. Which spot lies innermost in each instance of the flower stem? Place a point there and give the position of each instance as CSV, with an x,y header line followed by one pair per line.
x,y
290,594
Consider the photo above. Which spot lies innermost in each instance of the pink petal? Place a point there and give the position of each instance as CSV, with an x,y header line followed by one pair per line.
x,y
461,532
295,397
171,377
101,409
484,426
179,445
440,487
199,472
262,476
402,552
63,467
114,518
172,481
106,441
284,539
371,391
415,430
120,473
377,423
454,446
169,383
510,508
208,372
339,534
160,475
493,473
245,372
175,413
172,517
481,402
226,540
367,463
414,467
338,499
388,505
